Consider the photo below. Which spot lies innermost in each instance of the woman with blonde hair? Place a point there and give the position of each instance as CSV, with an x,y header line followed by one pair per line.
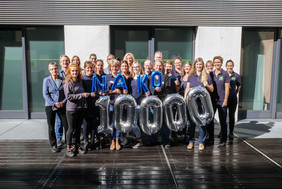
x,y
75,106
129,57
114,67
198,77
184,77
75,60
136,70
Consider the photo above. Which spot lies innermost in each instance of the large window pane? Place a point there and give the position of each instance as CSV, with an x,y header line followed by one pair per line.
x,y
257,52
279,97
174,42
11,90
131,40
44,44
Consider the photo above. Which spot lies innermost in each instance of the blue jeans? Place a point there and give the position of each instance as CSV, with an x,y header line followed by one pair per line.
x,y
222,112
202,133
59,128
115,134
136,129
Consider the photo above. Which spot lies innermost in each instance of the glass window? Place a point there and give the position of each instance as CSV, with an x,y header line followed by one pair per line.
x,y
256,69
44,44
174,42
131,40
279,97
11,90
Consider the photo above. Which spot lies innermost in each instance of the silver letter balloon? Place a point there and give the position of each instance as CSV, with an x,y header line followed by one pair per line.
x,y
147,126
103,103
200,106
125,123
174,108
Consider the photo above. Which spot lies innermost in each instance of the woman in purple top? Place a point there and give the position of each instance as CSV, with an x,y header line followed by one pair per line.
x,y
210,126
136,70
114,67
55,100
221,82
234,89
184,77
75,106
177,71
198,77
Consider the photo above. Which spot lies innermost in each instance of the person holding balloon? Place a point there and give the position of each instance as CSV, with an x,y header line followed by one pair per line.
x,y
198,77
138,95
91,123
161,90
100,74
114,91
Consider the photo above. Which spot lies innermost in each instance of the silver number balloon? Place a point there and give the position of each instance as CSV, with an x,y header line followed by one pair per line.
x,y
145,124
200,106
176,120
125,124
103,103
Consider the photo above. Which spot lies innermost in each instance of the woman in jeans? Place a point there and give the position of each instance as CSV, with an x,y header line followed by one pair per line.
x,y
54,102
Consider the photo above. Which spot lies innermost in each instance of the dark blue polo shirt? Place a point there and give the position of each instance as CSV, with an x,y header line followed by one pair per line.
x,y
183,84
138,97
195,80
172,79
235,82
176,74
219,84
110,82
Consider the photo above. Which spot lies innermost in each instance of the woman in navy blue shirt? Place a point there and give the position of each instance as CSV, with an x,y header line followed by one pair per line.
x,y
198,77
53,93
114,67
136,70
221,81
234,89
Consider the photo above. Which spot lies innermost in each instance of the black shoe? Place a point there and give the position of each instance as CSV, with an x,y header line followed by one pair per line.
x,y
70,152
55,149
209,142
231,136
221,144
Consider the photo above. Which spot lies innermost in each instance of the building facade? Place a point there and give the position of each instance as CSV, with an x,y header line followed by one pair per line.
x,y
35,32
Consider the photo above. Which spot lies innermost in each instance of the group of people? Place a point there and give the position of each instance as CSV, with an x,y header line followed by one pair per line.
x,y
69,98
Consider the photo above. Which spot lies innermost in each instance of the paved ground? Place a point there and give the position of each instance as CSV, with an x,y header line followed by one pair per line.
x,y
254,160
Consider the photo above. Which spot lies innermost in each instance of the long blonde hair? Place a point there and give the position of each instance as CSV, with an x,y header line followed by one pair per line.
x,y
69,77
140,68
204,75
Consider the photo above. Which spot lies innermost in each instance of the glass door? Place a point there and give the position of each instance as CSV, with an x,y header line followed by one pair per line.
x,y
256,71
11,70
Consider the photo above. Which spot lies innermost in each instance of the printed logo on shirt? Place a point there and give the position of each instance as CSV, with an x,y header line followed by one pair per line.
x,y
163,82
221,78
111,81
233,79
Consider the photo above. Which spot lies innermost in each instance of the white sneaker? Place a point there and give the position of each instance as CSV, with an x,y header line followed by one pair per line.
x,y
137,145
123,140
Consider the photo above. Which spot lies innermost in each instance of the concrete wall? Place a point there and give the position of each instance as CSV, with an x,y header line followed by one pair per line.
x,y
84,40
219,41
222,41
